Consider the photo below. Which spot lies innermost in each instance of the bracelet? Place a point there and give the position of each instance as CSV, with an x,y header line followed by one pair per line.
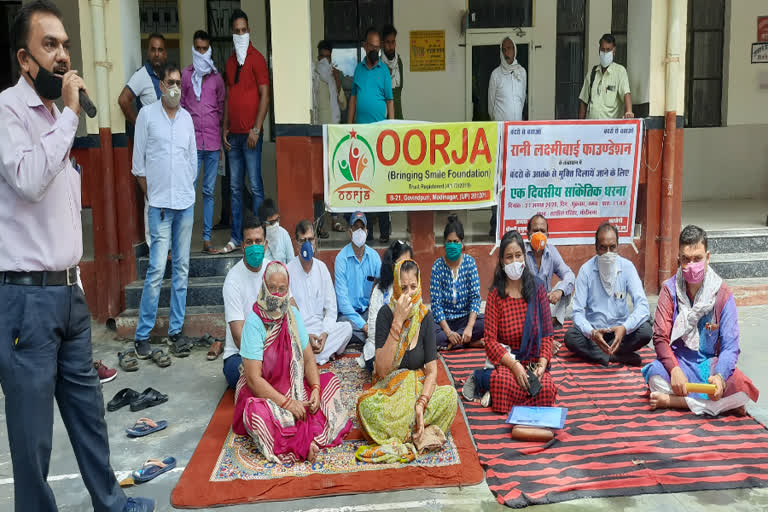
x,y
315,386
287,400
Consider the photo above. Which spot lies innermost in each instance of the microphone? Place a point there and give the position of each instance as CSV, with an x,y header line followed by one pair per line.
x,y
86,104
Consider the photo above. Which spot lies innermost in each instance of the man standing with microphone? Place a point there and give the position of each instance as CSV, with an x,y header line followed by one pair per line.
x,y
45,340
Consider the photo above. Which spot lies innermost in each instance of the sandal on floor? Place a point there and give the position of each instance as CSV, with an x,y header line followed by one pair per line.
x,y
180,348
209,250
161,358
153,468
149,398
217,347
203,341
145,426
122,398
230,247
128,361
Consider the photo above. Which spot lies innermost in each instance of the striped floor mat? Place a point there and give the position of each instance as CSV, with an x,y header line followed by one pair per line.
x,y
612,444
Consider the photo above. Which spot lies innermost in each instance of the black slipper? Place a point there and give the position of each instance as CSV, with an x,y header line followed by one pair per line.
x,y
149,398
122,398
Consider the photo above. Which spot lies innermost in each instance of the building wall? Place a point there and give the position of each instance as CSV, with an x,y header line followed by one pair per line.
x,y
731,162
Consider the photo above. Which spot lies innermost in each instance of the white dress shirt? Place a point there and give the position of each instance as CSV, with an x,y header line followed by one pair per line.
x,y
165,153
506,94
315,295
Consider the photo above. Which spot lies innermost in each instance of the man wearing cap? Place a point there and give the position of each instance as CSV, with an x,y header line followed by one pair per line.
x,y
312,288
357,266
544,261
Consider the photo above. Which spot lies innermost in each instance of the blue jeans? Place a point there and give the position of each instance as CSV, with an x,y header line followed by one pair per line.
x,y
242,159
168,228
209,161
46,353
232,369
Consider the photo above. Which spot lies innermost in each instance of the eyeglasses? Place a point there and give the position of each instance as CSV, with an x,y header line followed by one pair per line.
x,y
171,83
273,222
306,239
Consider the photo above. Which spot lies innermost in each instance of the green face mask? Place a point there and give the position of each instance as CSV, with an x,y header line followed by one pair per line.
x,y
453,250
254,255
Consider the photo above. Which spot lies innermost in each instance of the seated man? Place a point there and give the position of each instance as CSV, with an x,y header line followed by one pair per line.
x,y
357,267
241,289
696,335
603,330
279,247
544,261
312,288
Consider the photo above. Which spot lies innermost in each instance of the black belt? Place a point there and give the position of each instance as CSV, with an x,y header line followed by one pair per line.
x,y
41,278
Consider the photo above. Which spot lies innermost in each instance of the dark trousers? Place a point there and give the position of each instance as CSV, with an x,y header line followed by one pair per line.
x,y
45,352
385,223
226,193
458,325
587,349
232,369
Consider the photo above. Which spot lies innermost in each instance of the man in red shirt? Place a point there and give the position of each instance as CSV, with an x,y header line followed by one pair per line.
x,y
247,103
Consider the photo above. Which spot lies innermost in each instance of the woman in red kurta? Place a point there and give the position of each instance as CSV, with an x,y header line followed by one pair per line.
x,y
518,334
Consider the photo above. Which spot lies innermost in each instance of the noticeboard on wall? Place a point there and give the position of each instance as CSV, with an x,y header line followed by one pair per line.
x,y
427,50
760,53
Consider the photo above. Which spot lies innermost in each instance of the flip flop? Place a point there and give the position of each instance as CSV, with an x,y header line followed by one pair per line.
x,y
209,250
217,347
203,341
145,426
153,468
149,398
122,398
161,358
230,247
128,361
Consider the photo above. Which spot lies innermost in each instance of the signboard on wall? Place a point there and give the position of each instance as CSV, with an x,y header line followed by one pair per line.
x,y
427,50
759,53
407,166
577,174
762,29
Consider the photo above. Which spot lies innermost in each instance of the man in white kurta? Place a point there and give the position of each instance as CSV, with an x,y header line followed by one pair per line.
x,y
508,86
315,296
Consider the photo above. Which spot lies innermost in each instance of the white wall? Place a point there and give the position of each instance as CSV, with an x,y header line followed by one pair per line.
x,y
291,62
744,100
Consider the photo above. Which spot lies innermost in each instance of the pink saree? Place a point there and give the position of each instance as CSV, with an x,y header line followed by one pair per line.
x,y
279,436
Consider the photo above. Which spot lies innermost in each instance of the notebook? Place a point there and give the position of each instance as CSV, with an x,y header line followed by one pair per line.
x,y
548,417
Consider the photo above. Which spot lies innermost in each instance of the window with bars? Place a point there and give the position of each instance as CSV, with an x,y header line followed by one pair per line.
x,y
220,30
569,74
500,13
704,63
619,21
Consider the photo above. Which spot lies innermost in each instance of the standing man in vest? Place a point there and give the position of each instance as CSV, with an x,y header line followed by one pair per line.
x,y
45,342
143,89
605,93
247,103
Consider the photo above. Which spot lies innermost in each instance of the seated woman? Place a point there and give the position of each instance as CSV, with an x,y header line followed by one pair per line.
x,y
454,289
382,291
288,408
518,336
404,399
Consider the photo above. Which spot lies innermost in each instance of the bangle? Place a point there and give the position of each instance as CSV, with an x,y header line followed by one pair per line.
x,y
315,386
287,400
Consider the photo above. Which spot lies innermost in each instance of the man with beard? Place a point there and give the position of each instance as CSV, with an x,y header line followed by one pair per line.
x,y
392,59
45,343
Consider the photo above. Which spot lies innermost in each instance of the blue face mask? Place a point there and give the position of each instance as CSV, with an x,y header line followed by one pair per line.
x,y
307,251
254,255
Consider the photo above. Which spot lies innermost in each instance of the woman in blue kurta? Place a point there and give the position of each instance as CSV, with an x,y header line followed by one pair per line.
x,y
454,290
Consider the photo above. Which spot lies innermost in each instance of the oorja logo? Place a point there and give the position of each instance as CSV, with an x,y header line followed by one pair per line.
x,y
355,160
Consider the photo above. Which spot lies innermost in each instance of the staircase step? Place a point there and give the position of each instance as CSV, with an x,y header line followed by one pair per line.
x,y
198,320
201,291
740,265
200,265
738,241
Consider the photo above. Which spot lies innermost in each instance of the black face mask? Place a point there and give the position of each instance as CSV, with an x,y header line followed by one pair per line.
x,y
47,84
373,56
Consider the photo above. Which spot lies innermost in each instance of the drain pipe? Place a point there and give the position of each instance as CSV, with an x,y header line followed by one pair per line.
x,y
110,278
667,249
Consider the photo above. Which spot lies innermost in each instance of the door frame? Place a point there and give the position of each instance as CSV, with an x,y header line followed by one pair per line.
x,y
487,37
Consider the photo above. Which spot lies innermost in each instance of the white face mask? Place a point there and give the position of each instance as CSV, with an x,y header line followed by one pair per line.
x,y
358,237
273,228
241,42
607,264
514,270
606,59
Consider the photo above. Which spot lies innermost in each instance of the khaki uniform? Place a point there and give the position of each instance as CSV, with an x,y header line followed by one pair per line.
x,y
608,91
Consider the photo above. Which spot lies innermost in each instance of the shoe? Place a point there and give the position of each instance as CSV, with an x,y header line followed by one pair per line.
x,y
139,505
486,400
468,389
142,348
384,239
631,359
180,345
106,374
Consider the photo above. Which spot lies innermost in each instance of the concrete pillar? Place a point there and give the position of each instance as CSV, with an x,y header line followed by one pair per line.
x,y
291,61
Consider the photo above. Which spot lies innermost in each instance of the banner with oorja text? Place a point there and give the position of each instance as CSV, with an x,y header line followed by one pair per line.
x,y
577,174
410,166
